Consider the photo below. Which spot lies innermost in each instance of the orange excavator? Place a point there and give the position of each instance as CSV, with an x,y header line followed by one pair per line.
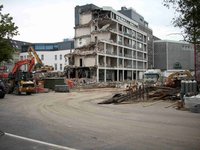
x,y
20,81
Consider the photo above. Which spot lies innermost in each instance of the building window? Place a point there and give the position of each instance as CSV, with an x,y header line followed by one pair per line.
x,y
145,48
55,57
145,39
134,44
140,46
55,66
60,57
81,62
42,57
139,36
60,67
133,34
119,39
21,57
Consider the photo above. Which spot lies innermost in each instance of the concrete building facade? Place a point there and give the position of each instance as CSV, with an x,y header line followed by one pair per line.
x,y
144,26
173,55
109,46
51,54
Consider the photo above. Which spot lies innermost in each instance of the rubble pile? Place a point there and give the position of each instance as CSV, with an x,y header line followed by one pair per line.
x,y
141,92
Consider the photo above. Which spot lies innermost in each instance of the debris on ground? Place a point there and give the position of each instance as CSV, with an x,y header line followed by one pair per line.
x,y
141,92
137,92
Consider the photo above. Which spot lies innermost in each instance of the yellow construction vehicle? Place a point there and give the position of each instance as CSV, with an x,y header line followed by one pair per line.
x,y
19,81
39,66
174,79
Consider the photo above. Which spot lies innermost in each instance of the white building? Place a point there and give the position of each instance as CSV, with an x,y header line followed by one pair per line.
x,y
51,54
51,58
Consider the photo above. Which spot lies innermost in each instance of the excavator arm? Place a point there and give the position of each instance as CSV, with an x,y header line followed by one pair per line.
x,y
30,62
179,75
32,52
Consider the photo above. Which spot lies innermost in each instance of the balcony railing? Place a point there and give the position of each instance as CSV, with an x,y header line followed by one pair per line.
x,y
140,67
128,45
127,34
119,42
120,54
141,58
111,53
128,66
111,66
128,55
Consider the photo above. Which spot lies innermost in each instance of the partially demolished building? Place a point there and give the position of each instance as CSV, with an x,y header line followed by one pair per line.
x,y
109,46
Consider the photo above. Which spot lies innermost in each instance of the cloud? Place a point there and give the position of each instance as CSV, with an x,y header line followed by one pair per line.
x,y
52,21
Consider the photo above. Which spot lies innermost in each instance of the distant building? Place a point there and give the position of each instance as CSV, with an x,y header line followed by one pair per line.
x,y
51,54
170,55
144,26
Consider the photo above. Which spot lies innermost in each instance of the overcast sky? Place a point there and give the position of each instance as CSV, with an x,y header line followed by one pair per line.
x,y
53,20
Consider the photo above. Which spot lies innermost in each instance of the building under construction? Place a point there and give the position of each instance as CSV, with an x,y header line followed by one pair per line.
x,y
109,46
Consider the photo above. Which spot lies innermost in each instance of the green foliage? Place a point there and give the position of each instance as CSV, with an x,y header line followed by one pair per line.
x,y
6,50
187,17
7,31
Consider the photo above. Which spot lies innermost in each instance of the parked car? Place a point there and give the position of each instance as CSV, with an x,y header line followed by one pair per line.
x,y
2,89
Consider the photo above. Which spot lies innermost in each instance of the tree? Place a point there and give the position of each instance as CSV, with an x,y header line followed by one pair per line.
x,y
7,31
188,18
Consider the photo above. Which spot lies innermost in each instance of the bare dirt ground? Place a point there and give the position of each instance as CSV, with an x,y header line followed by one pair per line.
x,y
76,120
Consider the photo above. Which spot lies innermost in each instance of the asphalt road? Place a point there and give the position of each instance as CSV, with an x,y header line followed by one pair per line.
x,y
75,120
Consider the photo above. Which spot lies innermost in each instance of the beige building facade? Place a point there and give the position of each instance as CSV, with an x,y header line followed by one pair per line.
x,y
108,46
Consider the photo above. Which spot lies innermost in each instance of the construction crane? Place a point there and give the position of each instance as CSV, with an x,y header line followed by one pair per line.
x,y
22,81
39,66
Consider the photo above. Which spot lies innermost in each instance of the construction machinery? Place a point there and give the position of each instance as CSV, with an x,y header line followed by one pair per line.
x,y
39,66
20,81
3,72
2,89
152,76
174,79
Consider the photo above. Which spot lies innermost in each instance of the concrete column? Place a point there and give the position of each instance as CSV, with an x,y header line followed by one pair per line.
x,y
104,60
104,48
123,75
118,66
132,75
122,52
136,75
105,75
117,75
97,60
97,75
